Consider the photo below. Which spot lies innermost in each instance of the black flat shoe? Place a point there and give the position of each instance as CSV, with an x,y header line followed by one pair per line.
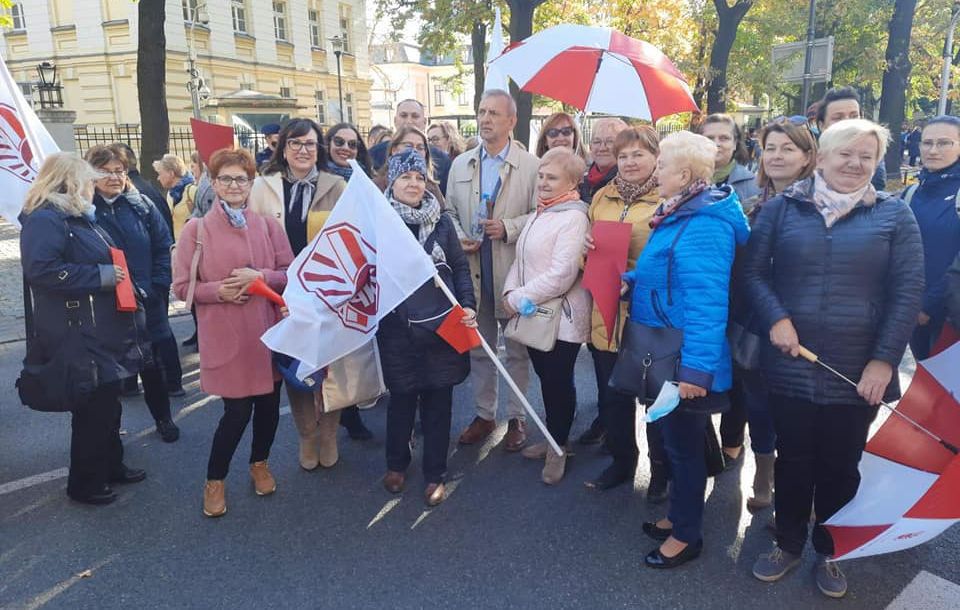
x,y
176,392
128,475
350,419
657,560
168,431
98,498
608,479
594,435
657,533
191,341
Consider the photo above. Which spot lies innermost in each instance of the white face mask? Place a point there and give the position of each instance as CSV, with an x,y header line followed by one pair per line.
x,y
667,400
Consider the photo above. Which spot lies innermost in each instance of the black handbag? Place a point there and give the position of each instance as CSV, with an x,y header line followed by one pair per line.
x,y
64,380
649,356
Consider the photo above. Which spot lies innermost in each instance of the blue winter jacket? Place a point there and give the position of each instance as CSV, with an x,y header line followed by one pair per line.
x,y
934,204
695,297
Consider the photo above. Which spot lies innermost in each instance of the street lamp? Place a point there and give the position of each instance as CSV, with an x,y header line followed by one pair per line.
x,y
947,60
337,43
197,88
49,89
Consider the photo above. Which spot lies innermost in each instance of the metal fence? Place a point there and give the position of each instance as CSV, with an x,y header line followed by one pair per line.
x,y
181,139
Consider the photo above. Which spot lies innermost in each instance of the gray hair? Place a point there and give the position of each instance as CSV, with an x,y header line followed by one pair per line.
x,y
843,132
511,103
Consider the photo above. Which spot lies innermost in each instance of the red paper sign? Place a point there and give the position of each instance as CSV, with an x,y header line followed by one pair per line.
x,y
948,337
210,137
259,288
126,301
460,337
605,265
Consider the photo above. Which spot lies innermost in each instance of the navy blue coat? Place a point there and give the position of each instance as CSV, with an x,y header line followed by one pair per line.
x,y
150,192
138,229
852,291
413,356
65,259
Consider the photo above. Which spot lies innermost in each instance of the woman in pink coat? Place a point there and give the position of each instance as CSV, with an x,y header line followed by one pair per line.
x,y
547,266
236,247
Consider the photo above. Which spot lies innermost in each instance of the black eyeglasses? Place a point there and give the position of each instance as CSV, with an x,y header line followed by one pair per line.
x,y
338,141
554,132
229,181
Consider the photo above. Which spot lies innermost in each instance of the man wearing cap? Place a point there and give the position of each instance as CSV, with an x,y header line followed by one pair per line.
x,y
271,133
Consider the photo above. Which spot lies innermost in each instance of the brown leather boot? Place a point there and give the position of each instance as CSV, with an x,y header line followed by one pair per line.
x,y
478,430
214,499
393,481
263,482
327,426
516,436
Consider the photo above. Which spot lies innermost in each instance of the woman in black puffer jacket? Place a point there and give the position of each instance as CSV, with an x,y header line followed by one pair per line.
x,y
840,278
418,365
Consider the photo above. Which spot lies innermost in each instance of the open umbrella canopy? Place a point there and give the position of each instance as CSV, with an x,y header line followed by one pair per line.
x,y
598,69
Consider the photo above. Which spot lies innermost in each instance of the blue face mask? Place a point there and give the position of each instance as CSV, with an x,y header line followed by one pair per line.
x,y
667,400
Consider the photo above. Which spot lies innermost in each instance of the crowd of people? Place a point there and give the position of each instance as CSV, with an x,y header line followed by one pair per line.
x,y
730,274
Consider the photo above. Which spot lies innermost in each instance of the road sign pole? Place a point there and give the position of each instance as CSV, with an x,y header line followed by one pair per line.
x,y
808,57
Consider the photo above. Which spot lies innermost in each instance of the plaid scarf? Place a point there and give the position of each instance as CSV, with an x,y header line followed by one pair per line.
x,y
671,205
426,216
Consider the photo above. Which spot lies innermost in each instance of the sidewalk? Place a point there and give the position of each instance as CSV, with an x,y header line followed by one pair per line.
x,y
11,287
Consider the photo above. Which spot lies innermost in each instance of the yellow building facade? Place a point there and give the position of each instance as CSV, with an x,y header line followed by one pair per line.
x,y
257,58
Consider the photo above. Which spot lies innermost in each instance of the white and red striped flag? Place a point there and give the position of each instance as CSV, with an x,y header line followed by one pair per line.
x,y
362,264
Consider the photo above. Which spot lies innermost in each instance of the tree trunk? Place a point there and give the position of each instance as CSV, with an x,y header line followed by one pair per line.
x,y
151,85
521,27
478,38
701,82
895,77
728,20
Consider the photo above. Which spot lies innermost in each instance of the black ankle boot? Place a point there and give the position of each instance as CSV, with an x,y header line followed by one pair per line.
x,y
350,419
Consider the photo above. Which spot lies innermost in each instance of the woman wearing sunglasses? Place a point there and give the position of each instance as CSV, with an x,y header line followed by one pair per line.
x,y
411,138
299,192
345,144
559,130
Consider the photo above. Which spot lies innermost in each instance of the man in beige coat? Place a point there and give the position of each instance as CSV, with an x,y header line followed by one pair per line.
x,y
490,195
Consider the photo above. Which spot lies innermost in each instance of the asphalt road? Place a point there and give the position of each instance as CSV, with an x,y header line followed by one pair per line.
x,y
335,539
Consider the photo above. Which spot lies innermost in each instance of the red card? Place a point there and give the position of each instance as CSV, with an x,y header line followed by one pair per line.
x,y
460,337
210,137
126,301
605,265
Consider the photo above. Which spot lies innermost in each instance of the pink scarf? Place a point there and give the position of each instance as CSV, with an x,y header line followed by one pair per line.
x,y
833,205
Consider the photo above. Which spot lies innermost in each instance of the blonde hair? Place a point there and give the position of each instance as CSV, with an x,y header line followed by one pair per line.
x,y
450,132
62,181
172,164
844,132
695,152
570,162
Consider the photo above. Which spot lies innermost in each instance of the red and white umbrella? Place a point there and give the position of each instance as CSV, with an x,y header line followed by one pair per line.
x,y
910,483
598,69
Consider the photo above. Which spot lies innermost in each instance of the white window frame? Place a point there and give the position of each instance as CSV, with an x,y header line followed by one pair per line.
x,y
238,13
319,100
345,20
280,30
313,22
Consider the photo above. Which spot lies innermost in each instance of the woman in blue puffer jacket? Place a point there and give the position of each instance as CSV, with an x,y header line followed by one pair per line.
x,y
682,280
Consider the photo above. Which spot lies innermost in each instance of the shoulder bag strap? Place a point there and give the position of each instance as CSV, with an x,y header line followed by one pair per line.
x,y
195,264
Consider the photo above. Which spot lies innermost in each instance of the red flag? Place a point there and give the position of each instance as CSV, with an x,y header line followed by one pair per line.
x,y
125,299
605,265
210,137
259,288
460,337
948,336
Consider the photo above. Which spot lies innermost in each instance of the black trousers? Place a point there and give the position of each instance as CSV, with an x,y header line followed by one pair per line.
x,y
617,413
265,410
435,412
818,454
555,370
168,357
96,451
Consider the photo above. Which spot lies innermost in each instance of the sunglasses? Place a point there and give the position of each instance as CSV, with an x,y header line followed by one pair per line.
x,y
338,141
554,132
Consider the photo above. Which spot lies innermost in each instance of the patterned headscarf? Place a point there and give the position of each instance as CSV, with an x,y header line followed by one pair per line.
x,y
405,161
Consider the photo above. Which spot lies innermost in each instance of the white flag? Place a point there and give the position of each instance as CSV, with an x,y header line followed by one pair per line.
x,y
362,264
24,143
495,79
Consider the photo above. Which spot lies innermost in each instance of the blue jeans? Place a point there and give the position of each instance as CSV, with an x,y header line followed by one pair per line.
x,y
748,403
683,438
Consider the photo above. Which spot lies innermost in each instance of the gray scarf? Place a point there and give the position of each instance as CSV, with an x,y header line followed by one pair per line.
x,y
302,187
236,217
426,217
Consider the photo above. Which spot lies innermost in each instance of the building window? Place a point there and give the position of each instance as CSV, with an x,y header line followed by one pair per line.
x,y
245,86
348,106
345,21
280,20
462,98
437,95
239,10
16,15
189,10
285,92
320,104
313,17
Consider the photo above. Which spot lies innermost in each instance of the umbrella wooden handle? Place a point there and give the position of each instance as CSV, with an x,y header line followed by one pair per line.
x,y
808,355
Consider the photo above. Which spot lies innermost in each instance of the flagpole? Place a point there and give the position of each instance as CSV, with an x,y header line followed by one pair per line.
x,y
503,371
19,102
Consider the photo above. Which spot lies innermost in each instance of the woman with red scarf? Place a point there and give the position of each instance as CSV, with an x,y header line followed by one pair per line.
x,y
548,267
